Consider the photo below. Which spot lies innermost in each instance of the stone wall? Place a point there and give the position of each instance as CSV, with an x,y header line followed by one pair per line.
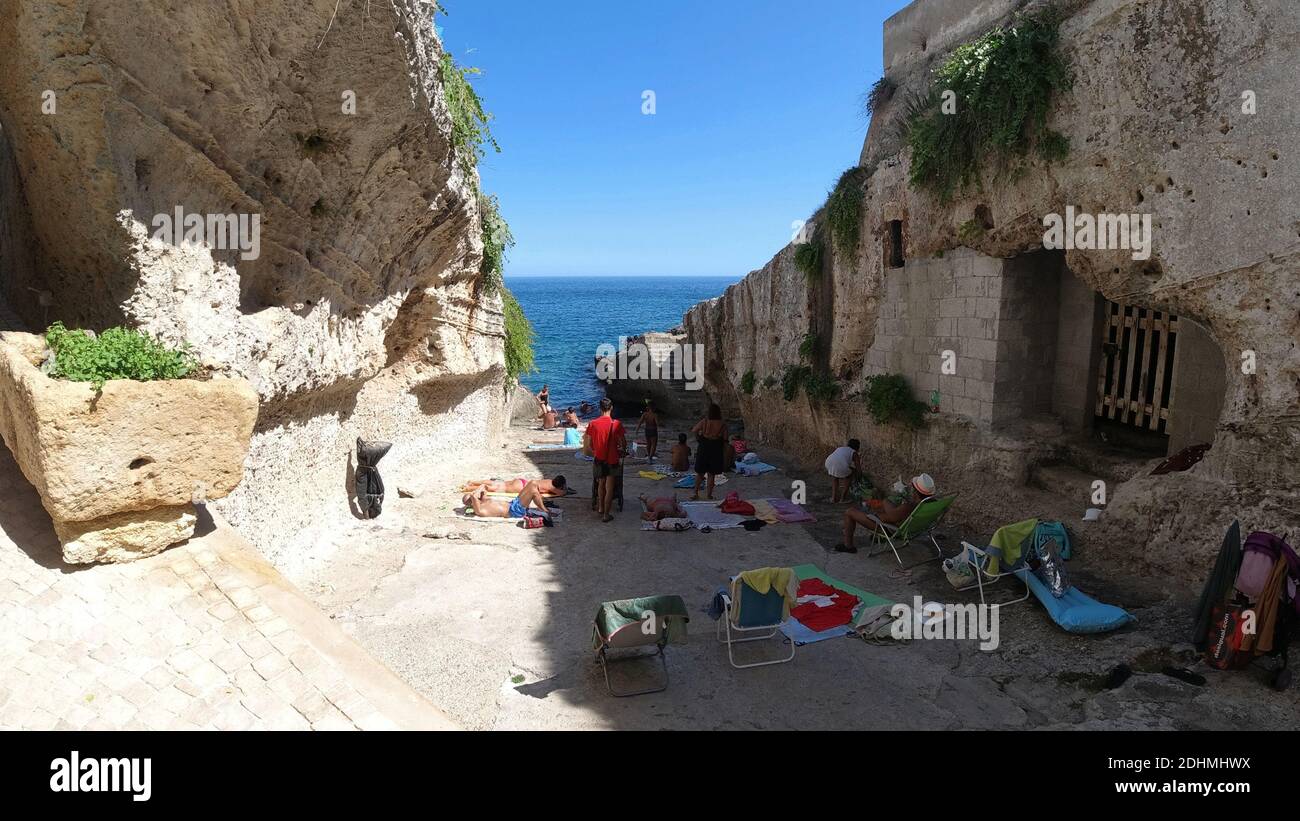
x,y
1156,125
359,317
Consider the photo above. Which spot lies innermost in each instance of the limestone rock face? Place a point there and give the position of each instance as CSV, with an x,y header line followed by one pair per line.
x,y
118,471
358,311
1156,126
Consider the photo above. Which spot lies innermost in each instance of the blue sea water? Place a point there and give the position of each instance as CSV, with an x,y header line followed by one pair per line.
x,y
573,315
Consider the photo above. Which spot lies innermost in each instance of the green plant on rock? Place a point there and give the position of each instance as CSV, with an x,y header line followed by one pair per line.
x,y
1002,85
792,380
469,120
881,92
808,258
821,387
889,399
117,353
808,346
844,209
519,338
971,230
747,383
497,240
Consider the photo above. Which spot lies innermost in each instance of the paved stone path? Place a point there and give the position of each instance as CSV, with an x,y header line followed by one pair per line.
x,y
205,635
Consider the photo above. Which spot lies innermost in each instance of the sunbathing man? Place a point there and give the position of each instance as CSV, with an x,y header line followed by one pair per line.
x,y
664,507
571,419
922,488
547,487
529,502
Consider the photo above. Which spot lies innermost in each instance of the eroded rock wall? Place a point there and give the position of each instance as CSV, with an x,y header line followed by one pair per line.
x,y
359,316
1156,126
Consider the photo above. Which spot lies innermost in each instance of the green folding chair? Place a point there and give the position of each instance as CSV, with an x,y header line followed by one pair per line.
x,y
918,525
631,624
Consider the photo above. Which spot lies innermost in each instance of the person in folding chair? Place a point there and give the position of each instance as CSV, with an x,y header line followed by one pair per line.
x,y
898,524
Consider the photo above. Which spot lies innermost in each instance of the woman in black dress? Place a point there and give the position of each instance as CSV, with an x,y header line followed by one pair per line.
x,y
710,437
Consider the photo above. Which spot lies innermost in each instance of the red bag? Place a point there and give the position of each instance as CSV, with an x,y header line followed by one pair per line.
x,y
1229,645
734,504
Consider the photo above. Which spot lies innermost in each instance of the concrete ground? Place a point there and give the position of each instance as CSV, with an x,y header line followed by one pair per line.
x,y
493,622
205,635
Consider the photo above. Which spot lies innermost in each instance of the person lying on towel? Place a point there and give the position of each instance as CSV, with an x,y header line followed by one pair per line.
x,y
529,502
922,487
664,507
547,487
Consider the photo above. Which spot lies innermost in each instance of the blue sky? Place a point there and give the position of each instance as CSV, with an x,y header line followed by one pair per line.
x,y
758,111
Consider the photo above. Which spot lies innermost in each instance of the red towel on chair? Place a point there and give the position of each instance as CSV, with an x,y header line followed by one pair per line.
x,y
734,504
839,612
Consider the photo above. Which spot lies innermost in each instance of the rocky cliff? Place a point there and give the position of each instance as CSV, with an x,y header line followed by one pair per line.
x,y
1159,123
355,313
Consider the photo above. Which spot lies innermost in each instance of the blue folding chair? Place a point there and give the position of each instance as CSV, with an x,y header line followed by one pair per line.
x,y
760,613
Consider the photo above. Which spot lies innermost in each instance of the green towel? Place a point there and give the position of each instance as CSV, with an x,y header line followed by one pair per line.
x,y
1008,539
612,615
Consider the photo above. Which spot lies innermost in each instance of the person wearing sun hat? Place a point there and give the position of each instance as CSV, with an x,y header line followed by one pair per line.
x,y
922,487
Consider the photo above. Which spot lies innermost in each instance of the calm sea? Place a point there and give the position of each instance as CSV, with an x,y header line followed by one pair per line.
x,y
574,314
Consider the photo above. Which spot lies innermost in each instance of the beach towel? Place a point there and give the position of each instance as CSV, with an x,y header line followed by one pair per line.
x,y
821,606
675,525
753,468
688,481
800,634
651,475
763,510
551,446
1007,540
707,514
788,512
584,457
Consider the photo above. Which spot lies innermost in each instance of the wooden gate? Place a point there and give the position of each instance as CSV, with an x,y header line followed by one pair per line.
x,y
1136,375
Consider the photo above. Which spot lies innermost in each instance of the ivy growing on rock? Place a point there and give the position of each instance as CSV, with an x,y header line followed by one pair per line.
x,y
1002,86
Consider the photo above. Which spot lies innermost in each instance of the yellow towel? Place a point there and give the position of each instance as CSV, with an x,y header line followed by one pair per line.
x,y
652,475
763,580
763,510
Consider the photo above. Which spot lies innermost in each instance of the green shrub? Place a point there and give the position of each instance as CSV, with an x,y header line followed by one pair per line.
x,y
881,92
970,231
117,353
808,346
1004,84
747,383
469,121
497,239
821,387
808,258
792,380
844,209
519,337
889,398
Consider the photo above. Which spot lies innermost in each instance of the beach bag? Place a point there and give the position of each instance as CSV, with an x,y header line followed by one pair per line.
x,y
1227,647
876,625
1259,555
734,504
369,485
1051,569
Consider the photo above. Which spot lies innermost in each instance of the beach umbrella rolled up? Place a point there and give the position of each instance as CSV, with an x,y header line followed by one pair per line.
x,y
370,487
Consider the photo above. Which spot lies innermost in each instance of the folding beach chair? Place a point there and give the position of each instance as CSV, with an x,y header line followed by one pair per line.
x,y
918,525
977,559
628,624
745,610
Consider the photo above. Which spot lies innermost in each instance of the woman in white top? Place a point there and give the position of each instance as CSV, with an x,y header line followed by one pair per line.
x,y
843,465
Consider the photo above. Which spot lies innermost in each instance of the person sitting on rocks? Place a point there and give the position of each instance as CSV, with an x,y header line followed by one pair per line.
x,y
529,502
664,507
548,417
571,419
547,487
922,488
